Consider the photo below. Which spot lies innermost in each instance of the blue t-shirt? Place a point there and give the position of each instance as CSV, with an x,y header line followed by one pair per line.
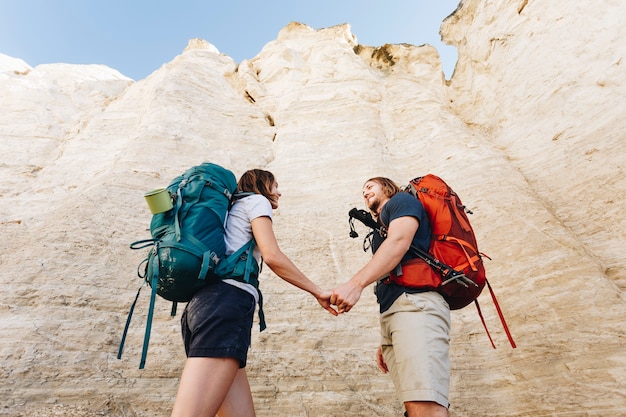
x,y
401,205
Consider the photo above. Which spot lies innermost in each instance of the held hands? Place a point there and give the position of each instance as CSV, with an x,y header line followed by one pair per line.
x,y
345,296
324,300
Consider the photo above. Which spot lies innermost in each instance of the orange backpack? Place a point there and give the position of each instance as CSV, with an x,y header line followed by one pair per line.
x,y
453,265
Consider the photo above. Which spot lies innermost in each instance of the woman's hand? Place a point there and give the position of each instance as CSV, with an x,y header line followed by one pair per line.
x,y
324,299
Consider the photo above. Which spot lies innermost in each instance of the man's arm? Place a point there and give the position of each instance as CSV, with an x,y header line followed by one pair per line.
x,y
399,238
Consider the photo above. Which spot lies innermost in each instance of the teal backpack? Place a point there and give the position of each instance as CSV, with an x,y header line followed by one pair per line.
x,y
187,243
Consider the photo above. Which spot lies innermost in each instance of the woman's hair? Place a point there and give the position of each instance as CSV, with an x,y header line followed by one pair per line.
x,y
390,188
257,181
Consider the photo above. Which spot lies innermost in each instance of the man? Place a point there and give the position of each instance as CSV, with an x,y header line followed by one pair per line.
x,y
415,322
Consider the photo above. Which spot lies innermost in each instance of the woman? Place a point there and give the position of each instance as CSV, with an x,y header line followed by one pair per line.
x,y
217,322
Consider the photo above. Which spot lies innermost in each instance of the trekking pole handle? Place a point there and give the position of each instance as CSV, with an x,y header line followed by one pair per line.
x,y
367,219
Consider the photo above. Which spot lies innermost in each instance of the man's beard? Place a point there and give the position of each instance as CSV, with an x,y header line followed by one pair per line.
x,y
373,205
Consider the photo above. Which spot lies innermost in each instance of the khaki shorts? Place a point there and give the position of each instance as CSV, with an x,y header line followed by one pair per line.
x,y
415,343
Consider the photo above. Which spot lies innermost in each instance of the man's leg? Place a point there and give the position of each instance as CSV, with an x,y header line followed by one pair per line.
x,y
425,409
415,347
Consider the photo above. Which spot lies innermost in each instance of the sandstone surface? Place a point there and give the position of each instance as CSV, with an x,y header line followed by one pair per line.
x,y
529,130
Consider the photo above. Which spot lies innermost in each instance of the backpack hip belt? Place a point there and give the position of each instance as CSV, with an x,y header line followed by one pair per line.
x,y
414,273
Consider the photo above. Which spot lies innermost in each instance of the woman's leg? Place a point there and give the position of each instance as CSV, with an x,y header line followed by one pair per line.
x,y
238,401
204,384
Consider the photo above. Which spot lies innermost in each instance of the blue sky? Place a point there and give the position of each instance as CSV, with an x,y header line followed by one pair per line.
x,y
137,37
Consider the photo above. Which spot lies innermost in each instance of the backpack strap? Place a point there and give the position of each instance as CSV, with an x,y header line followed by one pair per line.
x,y
251,245
502,320
140,244
125,333
179,203
482,319
462,245
209,259
249,248
154,279
230,268
154,282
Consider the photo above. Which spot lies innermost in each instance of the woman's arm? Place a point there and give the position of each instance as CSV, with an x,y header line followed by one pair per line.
x,y
282,266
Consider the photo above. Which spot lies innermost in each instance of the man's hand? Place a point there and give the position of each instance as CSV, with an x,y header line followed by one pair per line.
x,y
324,300
387,257
346,296
380,360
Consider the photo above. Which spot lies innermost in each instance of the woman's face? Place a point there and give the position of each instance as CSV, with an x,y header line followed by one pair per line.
x,y
274,195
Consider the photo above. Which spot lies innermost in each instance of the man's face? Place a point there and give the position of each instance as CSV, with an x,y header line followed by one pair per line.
x,y
373,196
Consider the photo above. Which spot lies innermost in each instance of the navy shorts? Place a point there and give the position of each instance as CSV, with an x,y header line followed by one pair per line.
x,y
217,323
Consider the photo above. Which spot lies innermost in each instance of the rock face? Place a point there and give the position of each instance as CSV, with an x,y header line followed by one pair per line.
x,y
529,131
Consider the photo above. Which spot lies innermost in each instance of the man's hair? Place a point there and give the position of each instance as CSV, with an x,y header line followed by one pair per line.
x,y
257,181
390,188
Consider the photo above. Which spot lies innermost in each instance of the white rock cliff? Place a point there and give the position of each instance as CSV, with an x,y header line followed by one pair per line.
x,y
529,131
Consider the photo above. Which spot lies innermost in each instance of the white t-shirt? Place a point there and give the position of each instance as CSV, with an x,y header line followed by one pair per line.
x,y
239,230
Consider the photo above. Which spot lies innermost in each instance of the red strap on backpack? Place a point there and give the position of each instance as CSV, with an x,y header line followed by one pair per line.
x,y
502,320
